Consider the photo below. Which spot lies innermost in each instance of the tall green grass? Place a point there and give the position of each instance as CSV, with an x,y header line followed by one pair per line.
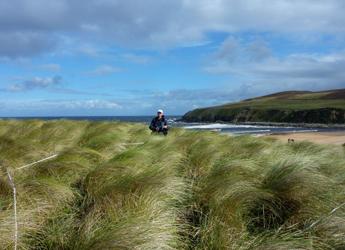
x,y
116,186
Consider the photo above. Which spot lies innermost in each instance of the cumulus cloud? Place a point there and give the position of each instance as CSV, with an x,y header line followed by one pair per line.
x,y
34,83
179,101
37,25
233,51
16,44
87,104
105,70
89,50
254,63
58,107
174,102
53,67
134,58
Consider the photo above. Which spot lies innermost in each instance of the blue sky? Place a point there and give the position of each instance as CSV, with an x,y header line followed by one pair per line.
x,y
116,57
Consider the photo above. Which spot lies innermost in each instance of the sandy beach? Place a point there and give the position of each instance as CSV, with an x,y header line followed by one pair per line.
x,y
337,138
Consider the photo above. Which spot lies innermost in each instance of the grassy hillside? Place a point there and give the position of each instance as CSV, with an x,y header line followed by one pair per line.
x,y
292,106
114,186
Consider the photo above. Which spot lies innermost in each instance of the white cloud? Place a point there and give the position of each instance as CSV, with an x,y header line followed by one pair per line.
x,y
233,50
134,58
53,67
23,43
89,50
34,83
105,70
254,63
62,105
90,104
37,25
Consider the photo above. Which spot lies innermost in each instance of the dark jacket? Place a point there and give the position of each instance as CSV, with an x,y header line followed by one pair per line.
x,y
157,123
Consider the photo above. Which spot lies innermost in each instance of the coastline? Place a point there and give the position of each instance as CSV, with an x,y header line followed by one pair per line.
x,y
277,124
298,125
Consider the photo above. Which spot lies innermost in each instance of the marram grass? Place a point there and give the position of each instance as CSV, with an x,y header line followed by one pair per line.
x,y
115,186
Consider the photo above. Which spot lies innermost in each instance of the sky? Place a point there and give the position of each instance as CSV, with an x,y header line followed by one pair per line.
x,y
131,57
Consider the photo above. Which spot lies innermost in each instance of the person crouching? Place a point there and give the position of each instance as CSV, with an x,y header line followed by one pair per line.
x,y
159,123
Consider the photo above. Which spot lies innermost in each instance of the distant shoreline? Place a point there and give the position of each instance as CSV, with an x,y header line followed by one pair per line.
x,y
276,124
304,125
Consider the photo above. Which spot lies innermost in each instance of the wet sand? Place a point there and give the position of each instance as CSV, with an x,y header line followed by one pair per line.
x,y
337,138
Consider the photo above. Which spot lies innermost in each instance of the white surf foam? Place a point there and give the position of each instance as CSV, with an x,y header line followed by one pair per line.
x,y
222,126
252,131
303,131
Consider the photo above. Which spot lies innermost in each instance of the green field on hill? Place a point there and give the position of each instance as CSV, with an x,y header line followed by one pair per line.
x,y
115,186
296,100
291,106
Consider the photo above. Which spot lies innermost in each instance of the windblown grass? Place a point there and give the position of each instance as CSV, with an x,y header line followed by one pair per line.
x,y
115,186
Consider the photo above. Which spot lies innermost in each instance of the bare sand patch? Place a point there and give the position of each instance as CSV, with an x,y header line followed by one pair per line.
x,y
337,138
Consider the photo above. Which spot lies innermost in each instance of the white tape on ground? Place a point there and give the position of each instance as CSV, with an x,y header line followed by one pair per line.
x,y
31,164
14,208
132,143
325,217
11,179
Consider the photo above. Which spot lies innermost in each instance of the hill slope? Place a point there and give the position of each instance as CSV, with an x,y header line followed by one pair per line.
x,y
115,186
291,107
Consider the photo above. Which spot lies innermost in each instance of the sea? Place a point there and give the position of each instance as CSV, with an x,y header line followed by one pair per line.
x,y
231,128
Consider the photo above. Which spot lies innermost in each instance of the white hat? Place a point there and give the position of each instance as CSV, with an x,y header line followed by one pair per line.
x,y
160,111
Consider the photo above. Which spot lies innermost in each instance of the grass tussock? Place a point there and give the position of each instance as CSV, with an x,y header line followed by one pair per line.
x,y
115,186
